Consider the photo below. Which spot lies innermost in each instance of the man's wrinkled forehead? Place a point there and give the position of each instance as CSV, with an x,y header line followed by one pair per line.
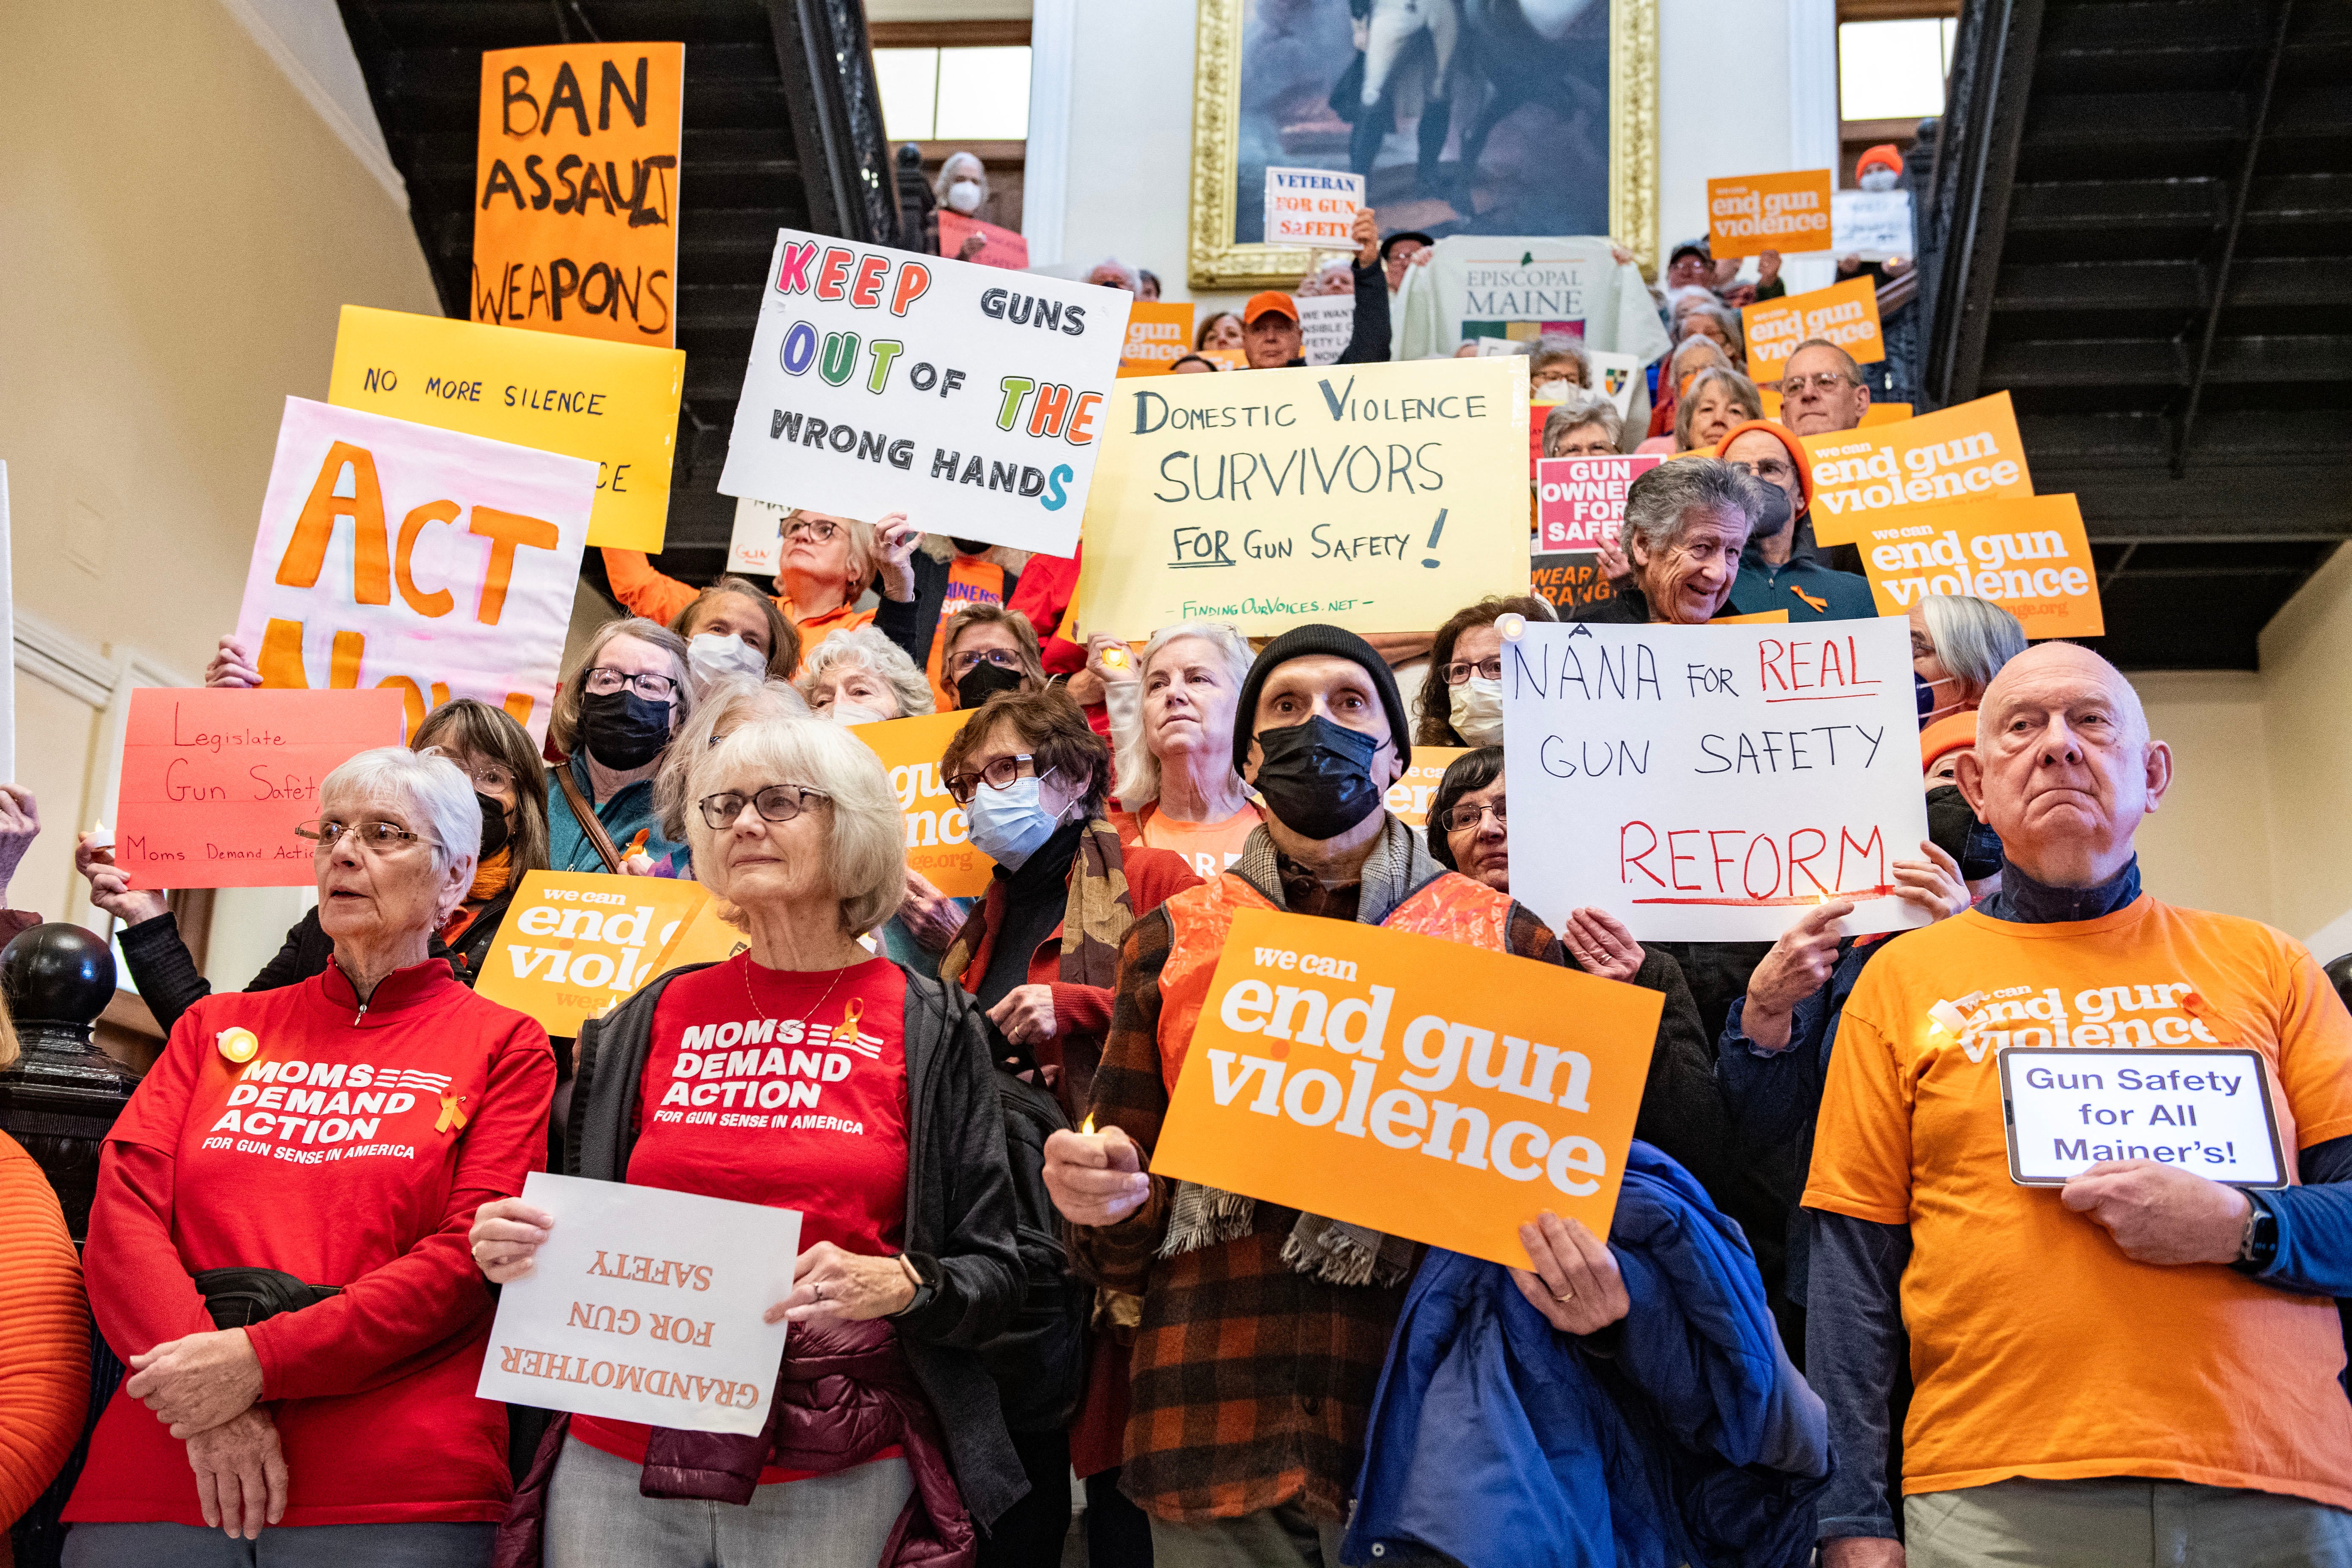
x,y
2055,676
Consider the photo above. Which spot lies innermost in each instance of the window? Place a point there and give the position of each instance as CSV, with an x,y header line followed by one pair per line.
x,y
975,94
1894,70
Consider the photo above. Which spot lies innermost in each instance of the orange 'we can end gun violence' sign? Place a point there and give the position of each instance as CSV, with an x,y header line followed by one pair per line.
x,y
939,838
2029,556
575,190
1756,213
576,942
1158,335
1425,1088
1865,478
1845,313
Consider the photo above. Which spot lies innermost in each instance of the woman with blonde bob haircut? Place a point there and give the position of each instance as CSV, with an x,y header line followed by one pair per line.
x,y
862,1095
1171,729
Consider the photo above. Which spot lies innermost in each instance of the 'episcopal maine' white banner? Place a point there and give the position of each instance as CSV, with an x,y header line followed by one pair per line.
x,y
966,396
1711,784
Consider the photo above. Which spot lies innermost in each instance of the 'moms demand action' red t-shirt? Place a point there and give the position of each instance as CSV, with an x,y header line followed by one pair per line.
x,y
350,1150
782,1088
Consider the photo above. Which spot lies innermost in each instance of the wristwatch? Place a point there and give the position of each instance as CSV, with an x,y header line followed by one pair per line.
x,y
2258,1245
926,1290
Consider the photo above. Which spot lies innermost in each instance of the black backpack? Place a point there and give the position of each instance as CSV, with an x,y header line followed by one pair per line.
x,y
1039,1359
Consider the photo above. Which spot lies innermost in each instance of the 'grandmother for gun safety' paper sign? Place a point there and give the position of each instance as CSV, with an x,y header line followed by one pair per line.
x,y
1425,1088
1381,498
436,563
1710,784
645,1305
882,381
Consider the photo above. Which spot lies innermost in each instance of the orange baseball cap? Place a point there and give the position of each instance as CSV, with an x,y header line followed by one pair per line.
x,y
1788,438
1955,733
1272,301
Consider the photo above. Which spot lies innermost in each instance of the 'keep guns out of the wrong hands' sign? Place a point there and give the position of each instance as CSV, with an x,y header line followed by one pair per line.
x,y
436,564
645,1305
882,381
1425,1088
1710,784
1381,497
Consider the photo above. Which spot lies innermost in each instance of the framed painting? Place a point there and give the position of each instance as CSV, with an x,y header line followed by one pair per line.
x,y
1519,117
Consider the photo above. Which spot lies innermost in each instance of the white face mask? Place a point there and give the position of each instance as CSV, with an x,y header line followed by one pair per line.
x,y
712,657
964,196
1477,712
848,714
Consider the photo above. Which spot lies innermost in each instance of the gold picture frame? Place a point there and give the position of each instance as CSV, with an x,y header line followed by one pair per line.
x,y
1216,262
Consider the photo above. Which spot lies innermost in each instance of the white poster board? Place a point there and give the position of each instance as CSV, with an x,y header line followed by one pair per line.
x,y
1312,207
1873,225
1711,784
1326,321
645,1305
2205,1111
757,543
397,554
882,381
1619,375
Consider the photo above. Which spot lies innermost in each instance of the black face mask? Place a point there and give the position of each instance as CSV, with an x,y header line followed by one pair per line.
x,y
496,833
1316,777
1954,828
1774,516
970,546
622,730
984,680
1924,695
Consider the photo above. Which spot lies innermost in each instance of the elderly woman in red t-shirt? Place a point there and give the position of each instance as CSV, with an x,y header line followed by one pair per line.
x,y
277,1244
864,1097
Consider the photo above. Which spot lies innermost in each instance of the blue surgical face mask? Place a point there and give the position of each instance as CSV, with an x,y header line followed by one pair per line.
x,y
1009,823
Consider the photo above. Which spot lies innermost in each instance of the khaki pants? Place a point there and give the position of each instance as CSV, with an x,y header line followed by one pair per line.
x,y
1281,1536
2122,1523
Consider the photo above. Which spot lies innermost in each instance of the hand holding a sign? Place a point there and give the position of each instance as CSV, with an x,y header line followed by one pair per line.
x,y
508,1234
1603,945
20,823
1097,1178
196,1382
1798,965
231,664
1366,236
1934,884
240,1474
2161,1213
110,889
899,540
1575,1284
830,1283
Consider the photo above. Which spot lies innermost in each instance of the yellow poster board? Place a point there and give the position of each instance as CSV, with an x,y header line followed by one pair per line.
x,y
614,404
1871,478
575,945
575,190
1429,1090
2029,556
1381,497
938,838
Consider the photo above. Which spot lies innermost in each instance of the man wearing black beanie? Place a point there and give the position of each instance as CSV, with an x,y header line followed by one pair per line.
x,y
1262,1329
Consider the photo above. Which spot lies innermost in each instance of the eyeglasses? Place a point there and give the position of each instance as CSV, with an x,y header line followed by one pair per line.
x,y
777,803
375,838
1593,448
1776,469
490,778
963,664
1491,668
1548,378
1824,382
1462,818
602,682
998,774
814,529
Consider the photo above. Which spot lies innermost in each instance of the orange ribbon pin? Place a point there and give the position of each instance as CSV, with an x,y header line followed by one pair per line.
x,y
846,1032
452,1112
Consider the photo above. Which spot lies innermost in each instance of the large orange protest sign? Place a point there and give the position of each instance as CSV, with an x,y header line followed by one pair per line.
x,y
2029,557
575,943
1158,335
575,190
1863,479
1425,1089
214,779
1845,313
939,838
1408,798
1755,212
1876,414
427,562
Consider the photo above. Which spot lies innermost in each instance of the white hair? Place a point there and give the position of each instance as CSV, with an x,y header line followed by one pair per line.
x,y
1134,284
870,648
946,173
1973,637
433,788
866,847
1137,780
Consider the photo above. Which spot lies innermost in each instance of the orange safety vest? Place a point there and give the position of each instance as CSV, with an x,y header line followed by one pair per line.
x,y
969,581
1453,908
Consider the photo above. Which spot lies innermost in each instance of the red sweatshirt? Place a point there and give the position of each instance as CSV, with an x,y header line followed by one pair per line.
x,y
352,1149
1048,583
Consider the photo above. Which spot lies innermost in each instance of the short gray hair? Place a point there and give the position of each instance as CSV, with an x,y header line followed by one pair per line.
x,y
869,648
563,724
1743,395
1721,316
1137,780
1973,637
730,704
1660,503
434,787
867,852
1554,347
1134,284
1589,407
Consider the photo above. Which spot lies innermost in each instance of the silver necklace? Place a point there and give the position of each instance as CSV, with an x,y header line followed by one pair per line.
x,y
762,1012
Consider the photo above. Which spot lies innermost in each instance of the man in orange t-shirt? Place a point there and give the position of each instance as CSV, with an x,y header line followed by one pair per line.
x,y
2139,1366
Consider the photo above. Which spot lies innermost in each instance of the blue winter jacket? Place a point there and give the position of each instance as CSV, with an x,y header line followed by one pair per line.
x,y
1503,1443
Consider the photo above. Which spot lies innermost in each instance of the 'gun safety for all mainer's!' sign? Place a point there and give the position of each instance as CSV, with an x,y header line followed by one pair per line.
x,y
882,381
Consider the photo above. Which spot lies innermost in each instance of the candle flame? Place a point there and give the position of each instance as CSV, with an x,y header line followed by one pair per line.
x,y
1087,1126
